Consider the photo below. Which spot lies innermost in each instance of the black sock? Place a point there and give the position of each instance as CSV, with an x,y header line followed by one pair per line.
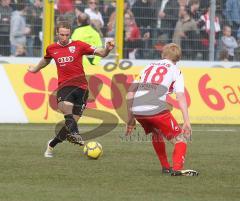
x,y
71,124
61,135
54,142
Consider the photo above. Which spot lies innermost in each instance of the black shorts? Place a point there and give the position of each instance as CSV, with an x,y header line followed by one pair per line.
x,y
75,95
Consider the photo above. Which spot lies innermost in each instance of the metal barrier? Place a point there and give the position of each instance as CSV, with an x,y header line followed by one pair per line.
x,y
201,30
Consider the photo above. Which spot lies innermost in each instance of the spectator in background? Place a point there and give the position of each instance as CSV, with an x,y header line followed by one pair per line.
x,y
185,33
65,6
18,27
37,29
20,51
5,17
228,42
131,2
79,9
204,26
111,25
79,5
86,33
66,9
95,15
143,11
112,20
204,4
168,16
182,2
238,34
109,9
162,40
237,50
223,55
145,16
194,9
232,14
132,34
160,5
220,7
13,4
34,21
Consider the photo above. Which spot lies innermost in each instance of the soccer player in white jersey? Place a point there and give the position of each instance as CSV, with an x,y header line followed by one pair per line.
x,y
147,104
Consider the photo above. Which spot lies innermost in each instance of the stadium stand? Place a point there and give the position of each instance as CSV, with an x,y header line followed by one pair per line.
x,y
148,25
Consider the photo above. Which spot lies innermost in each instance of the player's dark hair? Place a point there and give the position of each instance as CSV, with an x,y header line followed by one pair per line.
x,y
63,24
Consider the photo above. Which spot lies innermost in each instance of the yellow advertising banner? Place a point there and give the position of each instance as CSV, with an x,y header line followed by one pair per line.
x,y
213,94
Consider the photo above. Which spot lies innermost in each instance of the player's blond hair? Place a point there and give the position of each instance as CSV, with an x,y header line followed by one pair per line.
x,y
172,52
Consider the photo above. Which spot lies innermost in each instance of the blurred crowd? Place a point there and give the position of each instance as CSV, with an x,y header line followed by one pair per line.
x,y
148,26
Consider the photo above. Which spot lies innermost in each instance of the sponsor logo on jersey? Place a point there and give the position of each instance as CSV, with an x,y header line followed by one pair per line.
x,y
67,59
72,49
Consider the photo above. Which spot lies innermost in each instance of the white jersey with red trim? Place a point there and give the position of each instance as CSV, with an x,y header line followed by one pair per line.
x,y
156,81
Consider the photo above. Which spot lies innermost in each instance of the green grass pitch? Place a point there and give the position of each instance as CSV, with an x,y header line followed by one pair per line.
x,y
127,171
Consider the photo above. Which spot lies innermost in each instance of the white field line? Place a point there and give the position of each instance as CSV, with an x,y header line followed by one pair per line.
x,y
87,128
217,130
38,129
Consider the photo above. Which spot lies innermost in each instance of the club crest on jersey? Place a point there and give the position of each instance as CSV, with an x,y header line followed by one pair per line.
x,y
72,49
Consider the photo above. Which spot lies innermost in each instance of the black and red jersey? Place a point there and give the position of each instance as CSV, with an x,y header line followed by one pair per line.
x,y
68,59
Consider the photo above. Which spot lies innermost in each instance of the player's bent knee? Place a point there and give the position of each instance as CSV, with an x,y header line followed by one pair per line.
x,y
78,109
179,138
65,107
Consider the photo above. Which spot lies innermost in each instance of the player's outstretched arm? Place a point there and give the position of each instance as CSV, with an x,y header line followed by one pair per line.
x,y
183,106
42,63
103,52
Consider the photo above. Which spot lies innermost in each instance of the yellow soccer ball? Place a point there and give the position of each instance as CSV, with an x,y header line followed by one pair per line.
x,y
93,150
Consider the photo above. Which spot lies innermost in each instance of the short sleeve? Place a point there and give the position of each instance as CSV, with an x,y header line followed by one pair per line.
x,y
87,49
47,55
179,83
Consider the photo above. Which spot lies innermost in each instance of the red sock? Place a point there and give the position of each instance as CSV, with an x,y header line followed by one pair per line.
x,y
159,147
178,156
